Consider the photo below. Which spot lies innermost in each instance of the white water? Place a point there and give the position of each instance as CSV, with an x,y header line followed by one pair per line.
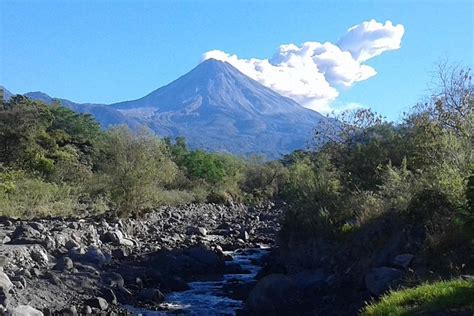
x,y
208,297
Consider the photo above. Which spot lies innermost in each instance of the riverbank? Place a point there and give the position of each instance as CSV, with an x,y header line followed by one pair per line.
x,y
93,265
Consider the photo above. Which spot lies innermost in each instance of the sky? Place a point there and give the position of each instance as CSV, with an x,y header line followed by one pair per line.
x,y
327,55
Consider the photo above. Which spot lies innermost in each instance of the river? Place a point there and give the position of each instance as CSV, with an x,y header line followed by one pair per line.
x,y
208,297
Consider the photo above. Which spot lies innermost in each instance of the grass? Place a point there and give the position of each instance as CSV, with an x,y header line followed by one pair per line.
x,y
440,297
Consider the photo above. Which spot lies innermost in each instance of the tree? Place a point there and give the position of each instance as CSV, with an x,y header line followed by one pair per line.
x,y
134,168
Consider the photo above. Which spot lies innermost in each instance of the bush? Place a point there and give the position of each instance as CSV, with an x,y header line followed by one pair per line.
x,y
22,196
134,168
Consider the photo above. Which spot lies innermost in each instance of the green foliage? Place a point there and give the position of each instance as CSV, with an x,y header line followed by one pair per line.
x,y
22,196
133,168
438,298
263,180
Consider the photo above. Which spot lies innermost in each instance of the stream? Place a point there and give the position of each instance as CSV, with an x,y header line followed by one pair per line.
x,y
209,297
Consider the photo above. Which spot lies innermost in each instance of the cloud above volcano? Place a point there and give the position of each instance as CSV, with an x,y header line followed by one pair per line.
x,y
313,73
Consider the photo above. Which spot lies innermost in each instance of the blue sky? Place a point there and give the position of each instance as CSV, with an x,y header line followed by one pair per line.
x,y
109,51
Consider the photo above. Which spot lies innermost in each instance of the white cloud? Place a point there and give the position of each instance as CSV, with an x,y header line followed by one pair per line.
x,y
311,73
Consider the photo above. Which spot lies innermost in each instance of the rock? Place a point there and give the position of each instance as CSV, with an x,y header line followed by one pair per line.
x,y
275,292
70,311
151,295
120,253
64,264
112,279
381,279
309,280
20,279
244,235
25,310
52,278
38,226
95,256
25,234
5,283
175,284
200,231
86,310
109,295
39,255
71,243
98,302
403,260
205,255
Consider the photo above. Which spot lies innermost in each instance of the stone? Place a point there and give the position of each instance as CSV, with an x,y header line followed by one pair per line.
x,y
64,264
309,280
86,310
120,253
275,292
70,311
113,237
25,234
151,295
113,279
5,283
200,231
244,235
381,279
39,255
109,295
25,310
71,243
95,256
52,278
98,302
403,260
175,284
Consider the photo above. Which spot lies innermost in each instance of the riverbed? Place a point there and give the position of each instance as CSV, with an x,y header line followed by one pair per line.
x,y
211,296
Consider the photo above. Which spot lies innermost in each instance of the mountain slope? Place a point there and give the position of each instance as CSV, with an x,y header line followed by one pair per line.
x,y
218,108
215,107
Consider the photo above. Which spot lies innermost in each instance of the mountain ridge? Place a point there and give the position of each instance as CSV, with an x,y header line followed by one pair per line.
x,y
216,108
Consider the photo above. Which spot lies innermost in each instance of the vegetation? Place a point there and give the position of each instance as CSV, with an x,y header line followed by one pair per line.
x,y
437,298
419,173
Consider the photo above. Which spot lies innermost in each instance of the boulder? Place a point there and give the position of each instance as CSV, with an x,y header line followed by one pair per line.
x,y
25,310
403,260
64,264
275,292
99,303
151,295
25,234
309,280
5,283
381,279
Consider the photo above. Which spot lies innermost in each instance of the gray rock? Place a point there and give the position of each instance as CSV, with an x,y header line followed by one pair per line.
x,y
71,243
309,280
99,303
275,292
381,279
5,283
39,255
25,310
112,279
109,295
70,311
86,310
403,260
64,264
95,256
151,295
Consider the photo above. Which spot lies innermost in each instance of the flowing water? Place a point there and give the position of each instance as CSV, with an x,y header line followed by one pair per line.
x,y
209,297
